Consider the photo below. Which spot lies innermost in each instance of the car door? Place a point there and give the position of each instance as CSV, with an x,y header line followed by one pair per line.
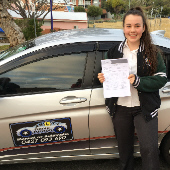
x,y
164,111
44,103
102,137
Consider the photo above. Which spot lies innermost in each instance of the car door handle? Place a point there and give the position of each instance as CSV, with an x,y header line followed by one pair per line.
x,y
72,99
166,89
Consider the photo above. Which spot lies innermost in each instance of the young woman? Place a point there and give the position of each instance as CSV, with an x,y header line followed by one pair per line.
x,y
138,111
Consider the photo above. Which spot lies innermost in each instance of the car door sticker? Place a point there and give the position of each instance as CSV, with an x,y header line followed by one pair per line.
x,y
43,131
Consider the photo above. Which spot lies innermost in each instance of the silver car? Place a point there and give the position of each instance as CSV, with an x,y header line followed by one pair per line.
x,y
54,79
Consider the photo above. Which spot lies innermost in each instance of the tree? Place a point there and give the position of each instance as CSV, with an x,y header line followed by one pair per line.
x,y
103,4
79,9
11,29
29,31
158,7
115,6
134,3
42,8
94,11
166,11
165,4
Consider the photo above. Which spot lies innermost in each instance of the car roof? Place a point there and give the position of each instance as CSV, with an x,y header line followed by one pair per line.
x,y
74,36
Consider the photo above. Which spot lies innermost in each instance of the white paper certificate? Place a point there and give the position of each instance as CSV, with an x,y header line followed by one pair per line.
x,y
116,72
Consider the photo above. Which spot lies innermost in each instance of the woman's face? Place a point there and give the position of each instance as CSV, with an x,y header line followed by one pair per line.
x,y
133,29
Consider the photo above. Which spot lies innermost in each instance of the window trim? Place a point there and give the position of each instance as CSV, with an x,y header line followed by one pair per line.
x,y
39,55
45,53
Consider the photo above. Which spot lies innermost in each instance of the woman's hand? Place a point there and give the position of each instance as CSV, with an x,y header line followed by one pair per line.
x,y
131,78
101,77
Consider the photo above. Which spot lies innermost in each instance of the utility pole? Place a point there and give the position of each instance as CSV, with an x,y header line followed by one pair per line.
x,y
151,16
51,7
129,4
160,15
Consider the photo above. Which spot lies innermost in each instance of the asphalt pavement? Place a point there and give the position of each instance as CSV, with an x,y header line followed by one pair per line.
x,y
103,164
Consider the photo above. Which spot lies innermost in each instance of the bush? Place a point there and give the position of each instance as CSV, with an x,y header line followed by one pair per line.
x,y
94,11
79,9
28,28
29,31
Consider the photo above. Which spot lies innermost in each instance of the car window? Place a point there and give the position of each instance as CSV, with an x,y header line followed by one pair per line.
x,y
100,56
16,49
103,47
64,72
167,58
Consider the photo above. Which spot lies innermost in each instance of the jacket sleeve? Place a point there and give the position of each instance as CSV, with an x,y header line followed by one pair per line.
x,y
152,83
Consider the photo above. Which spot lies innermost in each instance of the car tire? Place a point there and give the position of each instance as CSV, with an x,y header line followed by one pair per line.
x,y
59,129
165,148
25,133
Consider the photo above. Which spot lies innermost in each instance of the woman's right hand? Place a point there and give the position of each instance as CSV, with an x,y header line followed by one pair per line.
x,y
101,77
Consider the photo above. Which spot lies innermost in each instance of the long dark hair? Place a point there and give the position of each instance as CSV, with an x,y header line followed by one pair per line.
x,y
150,49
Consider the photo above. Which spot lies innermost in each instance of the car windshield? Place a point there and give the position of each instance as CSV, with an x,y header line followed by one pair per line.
x,y
14,50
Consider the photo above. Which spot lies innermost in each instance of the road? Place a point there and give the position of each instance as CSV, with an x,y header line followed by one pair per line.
x,y
109,164
1,44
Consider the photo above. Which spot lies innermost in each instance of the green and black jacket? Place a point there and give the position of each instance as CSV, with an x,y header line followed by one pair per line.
x,y
147,86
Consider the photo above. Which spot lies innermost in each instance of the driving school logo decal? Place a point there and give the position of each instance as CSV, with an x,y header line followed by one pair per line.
x,y
45,131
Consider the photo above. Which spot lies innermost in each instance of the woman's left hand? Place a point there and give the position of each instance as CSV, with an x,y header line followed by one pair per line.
x,y
131,78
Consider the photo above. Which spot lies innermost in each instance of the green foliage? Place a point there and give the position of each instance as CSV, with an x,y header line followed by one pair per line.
x,y
28,28
133,3
115,6
156,5
79,9
94,11
29,31
103,4
166,11
22,23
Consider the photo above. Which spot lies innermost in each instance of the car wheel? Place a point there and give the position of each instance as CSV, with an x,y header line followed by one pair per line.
x,y
165,148
59,129
25,133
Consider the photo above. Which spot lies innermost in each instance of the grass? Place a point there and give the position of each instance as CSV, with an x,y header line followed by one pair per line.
x,y
165,25
4,47
153,25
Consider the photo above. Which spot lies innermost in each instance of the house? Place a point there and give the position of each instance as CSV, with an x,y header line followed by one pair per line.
x,y
61,20
66,20
84,3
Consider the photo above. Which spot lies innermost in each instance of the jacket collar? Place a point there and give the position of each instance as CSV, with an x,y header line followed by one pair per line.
x,y
120,48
